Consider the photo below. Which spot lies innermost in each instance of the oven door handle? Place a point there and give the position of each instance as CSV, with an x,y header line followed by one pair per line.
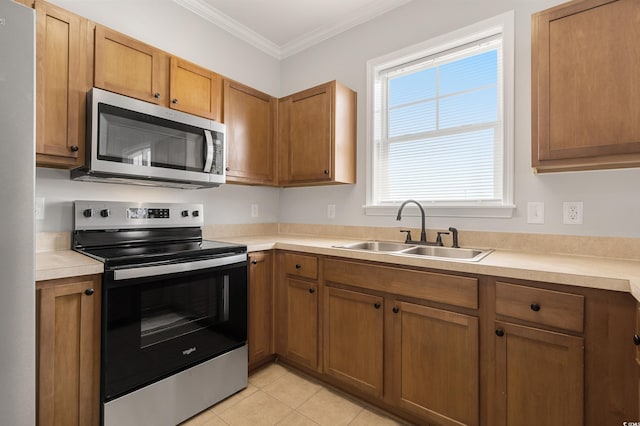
x,y
172,268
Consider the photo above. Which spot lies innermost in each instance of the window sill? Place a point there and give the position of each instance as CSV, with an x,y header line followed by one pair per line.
x,y
489,211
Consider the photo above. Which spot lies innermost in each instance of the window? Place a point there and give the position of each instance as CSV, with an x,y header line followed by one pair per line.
x,y
441,124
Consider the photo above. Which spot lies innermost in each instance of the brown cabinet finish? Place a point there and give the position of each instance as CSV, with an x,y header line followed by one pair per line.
x,y
539,377
353,339
436,359
585,114
129,67
68,351
195,90
317,136
301,265
250,117
63,68
260,308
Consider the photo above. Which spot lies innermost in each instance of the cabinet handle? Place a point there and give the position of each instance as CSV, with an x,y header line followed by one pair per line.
x,y
156,95
499,332
396,309
535,307
254,262
74,148
298,266
636,340
89,291
312,290
376,305
174,101
325,171
226,169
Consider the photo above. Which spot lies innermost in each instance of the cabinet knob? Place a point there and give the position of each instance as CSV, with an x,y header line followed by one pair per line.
x,y
227,169
636,340
298,266
89,291
499,332
535,307
325,171
312,290
395,309
376,305
74,148
156,95
174,101
254,262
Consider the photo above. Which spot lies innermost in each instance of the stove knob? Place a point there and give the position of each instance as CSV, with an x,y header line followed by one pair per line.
x,y
195,213
185,213
105,213
87,212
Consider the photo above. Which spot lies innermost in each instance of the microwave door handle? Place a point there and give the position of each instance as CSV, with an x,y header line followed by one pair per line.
x,y
209,157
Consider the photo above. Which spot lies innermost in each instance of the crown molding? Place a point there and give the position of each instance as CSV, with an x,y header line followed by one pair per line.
x,y
311,38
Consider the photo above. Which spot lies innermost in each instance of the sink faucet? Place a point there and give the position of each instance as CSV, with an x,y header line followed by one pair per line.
x,y
423,232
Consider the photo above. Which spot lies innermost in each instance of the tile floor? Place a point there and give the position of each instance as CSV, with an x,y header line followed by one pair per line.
x,y
279,396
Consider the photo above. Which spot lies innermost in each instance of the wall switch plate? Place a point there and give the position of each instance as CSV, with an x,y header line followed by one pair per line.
x,y
331,211
572,212
535,212
39,208
254,210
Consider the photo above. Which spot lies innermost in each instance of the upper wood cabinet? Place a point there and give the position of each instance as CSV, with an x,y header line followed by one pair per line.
x,y
250,117
127,66
195,90
585,108
317,136
63,77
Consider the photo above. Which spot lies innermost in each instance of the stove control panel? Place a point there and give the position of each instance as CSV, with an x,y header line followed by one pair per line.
x,y
123,215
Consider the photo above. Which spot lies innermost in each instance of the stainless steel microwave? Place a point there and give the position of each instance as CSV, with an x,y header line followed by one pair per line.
x,y
136,142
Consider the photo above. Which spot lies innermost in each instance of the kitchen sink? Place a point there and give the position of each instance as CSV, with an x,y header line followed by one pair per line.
x,y
415,250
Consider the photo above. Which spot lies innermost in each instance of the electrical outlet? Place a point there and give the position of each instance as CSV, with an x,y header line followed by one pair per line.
x,y
572,212
254,210
535,212
331,211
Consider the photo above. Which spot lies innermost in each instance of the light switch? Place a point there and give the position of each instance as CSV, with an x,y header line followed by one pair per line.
x,y
535,212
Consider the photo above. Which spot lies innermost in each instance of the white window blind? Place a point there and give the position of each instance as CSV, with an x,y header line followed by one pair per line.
x,y
439,125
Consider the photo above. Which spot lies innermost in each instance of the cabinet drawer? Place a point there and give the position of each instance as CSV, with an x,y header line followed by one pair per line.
x,y
546,307
301,265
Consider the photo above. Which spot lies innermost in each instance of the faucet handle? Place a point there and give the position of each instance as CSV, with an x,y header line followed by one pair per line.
x,y
439,238
408,231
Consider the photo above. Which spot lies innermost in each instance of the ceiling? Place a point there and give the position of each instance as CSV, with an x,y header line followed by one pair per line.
x,y
284,27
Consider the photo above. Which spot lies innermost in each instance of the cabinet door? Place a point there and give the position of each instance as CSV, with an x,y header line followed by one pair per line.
x,y
354,325
302,322
260,307
584,60
195,90
129,67
61,86
250,117
68,339
436,360
539,377
306,133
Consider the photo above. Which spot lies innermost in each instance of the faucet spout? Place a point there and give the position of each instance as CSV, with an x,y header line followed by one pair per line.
x,y
423,232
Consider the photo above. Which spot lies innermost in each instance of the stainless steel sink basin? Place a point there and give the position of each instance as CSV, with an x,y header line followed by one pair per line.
x,y
436,252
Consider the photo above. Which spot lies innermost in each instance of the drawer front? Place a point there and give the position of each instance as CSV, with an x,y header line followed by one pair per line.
x,y
442,288
546,307
301,265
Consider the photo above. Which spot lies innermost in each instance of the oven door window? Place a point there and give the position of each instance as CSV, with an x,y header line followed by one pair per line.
x,y
156,326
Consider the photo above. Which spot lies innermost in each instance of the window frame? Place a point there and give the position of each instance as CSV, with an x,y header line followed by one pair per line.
x,y
503,23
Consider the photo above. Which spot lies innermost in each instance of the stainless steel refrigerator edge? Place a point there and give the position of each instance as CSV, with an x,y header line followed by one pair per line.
x,y
17,189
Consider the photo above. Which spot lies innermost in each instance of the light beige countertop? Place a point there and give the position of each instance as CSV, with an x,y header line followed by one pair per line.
x,y
583,271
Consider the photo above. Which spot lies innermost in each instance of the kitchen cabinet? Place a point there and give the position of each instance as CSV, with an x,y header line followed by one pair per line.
x,y
68,351
129,67
195,90
297,307
63,77
354,325
317,136
585,114
636,342
250,117
260,308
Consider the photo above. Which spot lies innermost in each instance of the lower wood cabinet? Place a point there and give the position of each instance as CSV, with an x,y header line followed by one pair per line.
x,y
260,308
68,351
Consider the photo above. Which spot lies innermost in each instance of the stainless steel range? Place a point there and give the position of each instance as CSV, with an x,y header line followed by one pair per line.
x,y
174,313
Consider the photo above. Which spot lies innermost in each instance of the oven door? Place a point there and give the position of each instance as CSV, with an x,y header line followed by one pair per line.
x,y
161,319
